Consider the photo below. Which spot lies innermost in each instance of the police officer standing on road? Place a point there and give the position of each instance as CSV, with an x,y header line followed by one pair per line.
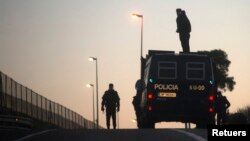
x,y
184,29
137,100
111,101
221,106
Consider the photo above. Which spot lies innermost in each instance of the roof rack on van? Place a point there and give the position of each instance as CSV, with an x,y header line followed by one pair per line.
x,y
192,53
164,52
154,52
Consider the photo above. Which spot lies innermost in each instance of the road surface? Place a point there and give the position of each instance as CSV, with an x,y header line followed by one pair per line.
x,y
118,135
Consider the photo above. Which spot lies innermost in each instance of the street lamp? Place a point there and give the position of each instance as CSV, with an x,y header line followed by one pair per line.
x,y
133,120
140,16
92,85
97,109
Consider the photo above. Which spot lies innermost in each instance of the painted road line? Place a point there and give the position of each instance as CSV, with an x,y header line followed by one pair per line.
x,y
196,137
35,134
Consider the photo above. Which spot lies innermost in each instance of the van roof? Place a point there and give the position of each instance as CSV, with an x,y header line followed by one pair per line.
x,y
163,52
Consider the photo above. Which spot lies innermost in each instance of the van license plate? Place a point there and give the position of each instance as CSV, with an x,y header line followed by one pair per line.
x,y
164,94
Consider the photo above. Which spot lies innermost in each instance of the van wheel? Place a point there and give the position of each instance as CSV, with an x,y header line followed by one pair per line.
x,y
201,124
151,125
146,123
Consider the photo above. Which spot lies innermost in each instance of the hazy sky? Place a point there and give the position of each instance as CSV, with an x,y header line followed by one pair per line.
x,y
45,45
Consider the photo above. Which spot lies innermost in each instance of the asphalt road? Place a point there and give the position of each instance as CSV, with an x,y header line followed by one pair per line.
x,y
119,135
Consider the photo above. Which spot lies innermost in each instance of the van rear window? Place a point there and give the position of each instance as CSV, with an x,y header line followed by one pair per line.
x,y
195,71
167,70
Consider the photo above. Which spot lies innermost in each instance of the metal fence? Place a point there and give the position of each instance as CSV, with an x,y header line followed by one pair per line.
x,y
22,101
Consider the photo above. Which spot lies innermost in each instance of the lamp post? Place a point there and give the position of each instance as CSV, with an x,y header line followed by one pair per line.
x,y
92,85
97,109
140,16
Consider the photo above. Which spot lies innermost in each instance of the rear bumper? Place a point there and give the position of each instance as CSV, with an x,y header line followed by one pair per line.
x,y
192,114
168,117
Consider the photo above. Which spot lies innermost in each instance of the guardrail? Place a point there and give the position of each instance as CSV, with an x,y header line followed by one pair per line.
x,y
18,100
9,121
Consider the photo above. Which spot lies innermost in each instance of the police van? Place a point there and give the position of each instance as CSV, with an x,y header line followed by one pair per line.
x,y
177,87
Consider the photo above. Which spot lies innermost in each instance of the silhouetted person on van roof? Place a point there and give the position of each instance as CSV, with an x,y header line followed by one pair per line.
x,y
221,106
184,29
111,101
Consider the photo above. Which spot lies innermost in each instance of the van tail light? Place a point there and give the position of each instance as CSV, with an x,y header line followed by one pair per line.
x,y
211,97
150,95
211,110
150,108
